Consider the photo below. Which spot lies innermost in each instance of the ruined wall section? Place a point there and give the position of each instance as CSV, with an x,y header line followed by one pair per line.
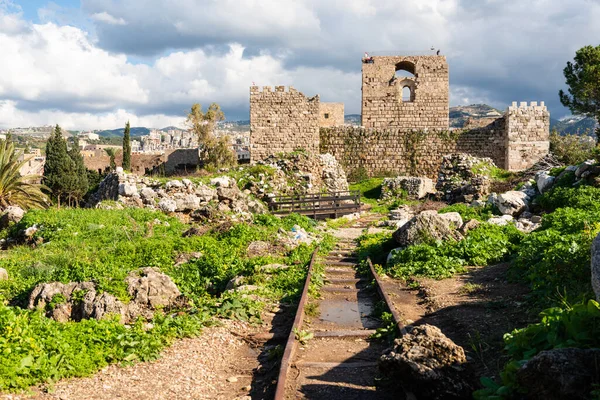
x,y
382,103
331,114
528,135
282,121
391,152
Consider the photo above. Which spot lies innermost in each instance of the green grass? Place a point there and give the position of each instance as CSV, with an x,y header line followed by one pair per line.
x,y
495,173
103,246
370,191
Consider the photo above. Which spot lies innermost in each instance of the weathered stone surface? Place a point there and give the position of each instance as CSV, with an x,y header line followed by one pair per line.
x,y
469,226
12,214
187,203
258,248
151,288
544,181
561,374
459,179
205,193
428,363
501,221
3,274
429,225
167,205
414,187
511,203
174,184
222,182
147,193
333,175
126,189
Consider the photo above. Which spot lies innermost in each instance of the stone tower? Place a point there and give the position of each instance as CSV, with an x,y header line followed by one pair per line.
x,y
422,79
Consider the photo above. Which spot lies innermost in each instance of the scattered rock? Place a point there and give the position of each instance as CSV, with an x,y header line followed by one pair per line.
x,y
461,178
560,374
511,203
12,214
469,226
3,274
222,182
258,248
413,187
429,225
427,363
544,181
581,168
148,288
167,205
501,221
232,379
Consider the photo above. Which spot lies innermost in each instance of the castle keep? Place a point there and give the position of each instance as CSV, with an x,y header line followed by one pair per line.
x,y
405,123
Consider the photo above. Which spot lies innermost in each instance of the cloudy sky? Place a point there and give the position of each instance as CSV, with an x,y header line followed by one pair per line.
x,y
94,64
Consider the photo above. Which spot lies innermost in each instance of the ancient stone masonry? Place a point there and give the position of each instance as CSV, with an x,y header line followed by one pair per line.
x,y
527,135
331,114
282,122
425,104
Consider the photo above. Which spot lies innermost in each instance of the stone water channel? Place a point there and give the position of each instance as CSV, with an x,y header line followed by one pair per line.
x,y
340,361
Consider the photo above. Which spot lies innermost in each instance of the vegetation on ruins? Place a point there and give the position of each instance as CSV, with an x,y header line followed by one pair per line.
x,y
112,153
126,148
17,190
572,149
103,246
216,152
583,79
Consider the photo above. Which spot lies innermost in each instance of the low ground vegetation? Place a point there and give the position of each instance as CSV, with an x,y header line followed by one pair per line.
x,y
103,246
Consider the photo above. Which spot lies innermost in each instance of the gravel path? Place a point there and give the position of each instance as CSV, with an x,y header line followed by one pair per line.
x,y
215,365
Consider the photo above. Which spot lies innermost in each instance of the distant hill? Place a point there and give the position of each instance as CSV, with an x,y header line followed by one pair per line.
x,y
574,125
134,132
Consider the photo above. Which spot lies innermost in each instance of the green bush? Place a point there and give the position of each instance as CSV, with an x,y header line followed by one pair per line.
x,y
482,246
585,197
572,149
577,326
468,213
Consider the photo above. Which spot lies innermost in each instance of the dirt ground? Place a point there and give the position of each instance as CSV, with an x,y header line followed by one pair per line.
x,y
474,309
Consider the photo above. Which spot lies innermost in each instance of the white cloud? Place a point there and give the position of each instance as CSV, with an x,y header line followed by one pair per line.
x,y
108,19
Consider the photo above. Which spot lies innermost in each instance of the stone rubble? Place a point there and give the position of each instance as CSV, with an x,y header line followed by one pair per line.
x,y
458,181
414,188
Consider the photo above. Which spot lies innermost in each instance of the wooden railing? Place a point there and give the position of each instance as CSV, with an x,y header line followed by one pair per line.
x,y
326,205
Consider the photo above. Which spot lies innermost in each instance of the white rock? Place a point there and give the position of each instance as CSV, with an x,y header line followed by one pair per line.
x,y
581,168
221,181
147,193
187,203
544,181
167,205
511,203
186,182
127,190
119,170
174,184
501,221
454,218
3,274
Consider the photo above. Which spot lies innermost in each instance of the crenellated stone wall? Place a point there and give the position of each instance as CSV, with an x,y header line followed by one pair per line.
x,y
331,114
382,102
528,134
282,121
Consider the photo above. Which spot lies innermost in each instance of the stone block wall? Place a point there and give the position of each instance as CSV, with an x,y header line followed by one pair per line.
x,y
331,114
392,152
528,134
382,103
171,162
282,121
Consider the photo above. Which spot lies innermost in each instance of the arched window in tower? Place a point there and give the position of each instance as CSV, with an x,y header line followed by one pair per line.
x,y
407,94
405,69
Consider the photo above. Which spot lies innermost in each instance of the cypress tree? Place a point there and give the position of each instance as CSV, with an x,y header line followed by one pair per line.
x,y
58,167
126,149
79,184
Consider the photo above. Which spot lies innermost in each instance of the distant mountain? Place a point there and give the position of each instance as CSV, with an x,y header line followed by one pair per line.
x,y
574,124
352,119
134,132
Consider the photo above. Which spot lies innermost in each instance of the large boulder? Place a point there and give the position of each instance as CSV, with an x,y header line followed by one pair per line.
x,y
12,214
511,203
427,363
427,226
412,187
148,288
560,374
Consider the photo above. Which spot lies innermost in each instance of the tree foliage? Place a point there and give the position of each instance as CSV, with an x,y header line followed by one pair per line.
x,y
58,166
583,78
15,189
80,184
126,148
215,152
112,153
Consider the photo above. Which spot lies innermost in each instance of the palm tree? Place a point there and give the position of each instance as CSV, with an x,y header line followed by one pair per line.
x,y
17,190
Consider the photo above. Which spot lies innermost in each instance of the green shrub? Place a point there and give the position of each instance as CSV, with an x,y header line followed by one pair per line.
x,y
468,213
577,326
572,149
584,196
482,246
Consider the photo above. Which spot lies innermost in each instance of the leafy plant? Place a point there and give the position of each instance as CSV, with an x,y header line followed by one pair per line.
x,y
303,336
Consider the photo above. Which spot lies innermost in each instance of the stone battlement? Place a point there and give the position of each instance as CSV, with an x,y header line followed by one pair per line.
x,y
269,89
523,105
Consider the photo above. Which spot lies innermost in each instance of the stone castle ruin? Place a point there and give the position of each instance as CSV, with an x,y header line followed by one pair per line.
x,y
405,123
